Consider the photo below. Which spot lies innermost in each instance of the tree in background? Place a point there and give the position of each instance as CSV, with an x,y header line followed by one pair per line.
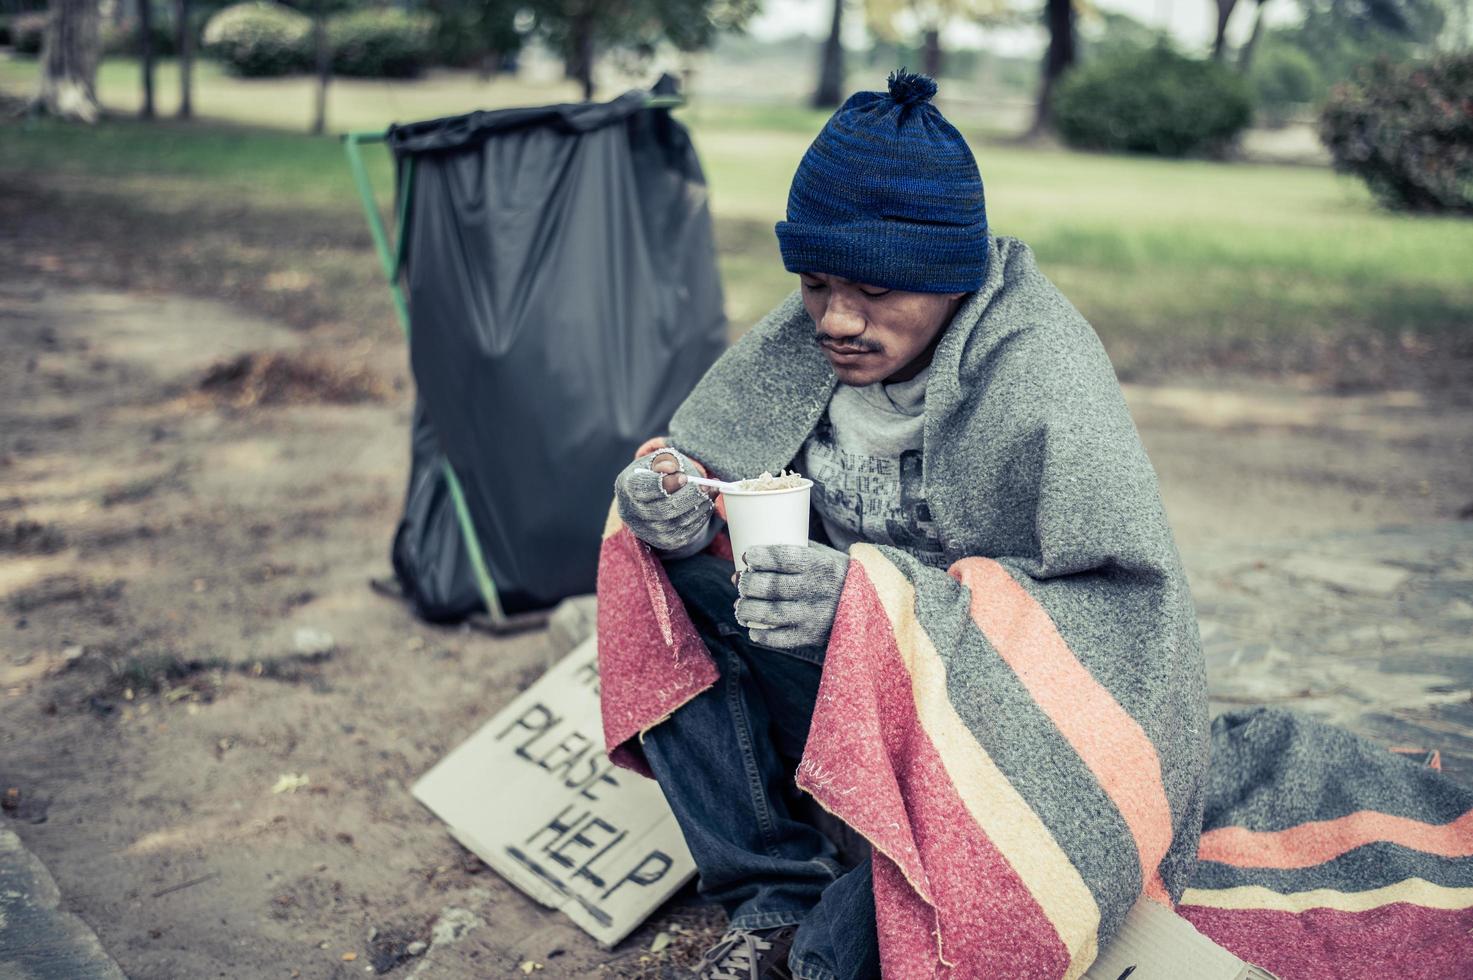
x,y
145,55
70,49
483,33
1352,31
321,11
830,90
1245,54
322,56
184,44
1225,10
897,20
1105,33
582,29
1332,25
1337,36
1059,18
1460,25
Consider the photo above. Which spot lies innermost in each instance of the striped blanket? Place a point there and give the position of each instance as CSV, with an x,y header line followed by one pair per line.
x,y
1023,735
1322,855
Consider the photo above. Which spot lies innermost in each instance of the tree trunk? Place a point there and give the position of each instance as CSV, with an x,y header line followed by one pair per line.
x,y
578,64
931,54
185,44
1059,16
1219,42
324,67
1245,56
488,66
830,91
70,50
145,45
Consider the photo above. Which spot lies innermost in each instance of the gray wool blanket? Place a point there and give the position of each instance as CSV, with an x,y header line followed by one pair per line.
x,y
1022,736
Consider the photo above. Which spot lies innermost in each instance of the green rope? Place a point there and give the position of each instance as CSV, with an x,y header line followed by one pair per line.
x,y
392,261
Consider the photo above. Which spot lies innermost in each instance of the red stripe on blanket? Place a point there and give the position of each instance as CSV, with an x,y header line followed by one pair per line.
x,y
1108,740
1309,844
1409,942
867,754
649,664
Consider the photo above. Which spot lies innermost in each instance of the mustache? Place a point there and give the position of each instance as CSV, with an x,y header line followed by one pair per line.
x,y
851,345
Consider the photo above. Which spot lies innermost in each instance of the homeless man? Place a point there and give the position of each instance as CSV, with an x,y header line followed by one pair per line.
x,y
986,662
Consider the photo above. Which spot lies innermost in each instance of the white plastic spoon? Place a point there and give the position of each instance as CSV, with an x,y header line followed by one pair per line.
x,y
702,481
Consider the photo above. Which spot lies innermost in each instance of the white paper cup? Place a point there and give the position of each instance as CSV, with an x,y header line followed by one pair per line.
x,y
756,517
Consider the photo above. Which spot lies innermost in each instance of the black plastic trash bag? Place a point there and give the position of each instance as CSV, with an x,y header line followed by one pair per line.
x,y
564,296
430,559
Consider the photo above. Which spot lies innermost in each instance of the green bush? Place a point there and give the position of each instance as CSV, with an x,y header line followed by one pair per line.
x,y
1406,129
4,29
1152,101
26,31
1283,80
380,43
260,38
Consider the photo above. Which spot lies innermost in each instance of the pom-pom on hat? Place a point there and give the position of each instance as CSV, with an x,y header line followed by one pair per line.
x,y
889,195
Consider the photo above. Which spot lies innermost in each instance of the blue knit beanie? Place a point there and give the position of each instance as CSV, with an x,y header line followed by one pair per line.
x,y
889,195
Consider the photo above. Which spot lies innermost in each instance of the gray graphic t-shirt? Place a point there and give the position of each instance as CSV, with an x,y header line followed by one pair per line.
x,y
864,459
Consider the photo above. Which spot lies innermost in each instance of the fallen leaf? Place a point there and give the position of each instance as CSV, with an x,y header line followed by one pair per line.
x,y
349,957
290,782
662,939
528,966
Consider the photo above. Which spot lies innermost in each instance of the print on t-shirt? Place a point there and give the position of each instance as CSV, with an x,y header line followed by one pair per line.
x,y
879,499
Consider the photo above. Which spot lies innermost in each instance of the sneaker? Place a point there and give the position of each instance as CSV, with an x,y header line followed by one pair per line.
x,y
748,954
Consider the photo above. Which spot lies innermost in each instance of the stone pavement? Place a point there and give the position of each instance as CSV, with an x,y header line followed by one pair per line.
x,y
1369,630
38,939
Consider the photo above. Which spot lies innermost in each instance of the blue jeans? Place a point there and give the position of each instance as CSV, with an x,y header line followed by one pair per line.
x,y
725,761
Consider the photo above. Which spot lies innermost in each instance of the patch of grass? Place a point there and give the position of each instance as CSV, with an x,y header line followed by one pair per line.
x,y
56,590
754,118
152,673
23,537
276,378
160,673
174,165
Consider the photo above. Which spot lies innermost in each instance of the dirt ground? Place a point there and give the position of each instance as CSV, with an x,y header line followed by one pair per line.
x,y
161,544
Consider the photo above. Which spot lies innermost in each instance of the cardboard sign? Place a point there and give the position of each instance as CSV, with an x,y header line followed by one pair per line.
x,y
534,796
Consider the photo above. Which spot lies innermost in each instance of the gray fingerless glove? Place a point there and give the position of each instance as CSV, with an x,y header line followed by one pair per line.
x,y
667,521
788,595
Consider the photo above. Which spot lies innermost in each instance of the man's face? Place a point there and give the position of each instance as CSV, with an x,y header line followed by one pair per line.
x,y
870,333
